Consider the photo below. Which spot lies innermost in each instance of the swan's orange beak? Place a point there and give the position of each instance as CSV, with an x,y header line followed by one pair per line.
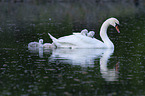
x,y
117,28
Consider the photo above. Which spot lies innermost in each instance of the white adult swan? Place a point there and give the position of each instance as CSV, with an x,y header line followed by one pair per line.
x,y
81,41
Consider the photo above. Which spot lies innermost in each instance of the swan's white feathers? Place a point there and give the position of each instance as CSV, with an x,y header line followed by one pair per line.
x,y
77,41
75,33
83,41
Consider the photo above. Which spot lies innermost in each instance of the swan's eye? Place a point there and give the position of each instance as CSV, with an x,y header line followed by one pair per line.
x,y
117,24
117,27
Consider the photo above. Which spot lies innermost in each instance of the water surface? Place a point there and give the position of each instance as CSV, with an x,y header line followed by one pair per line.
x,y
72,71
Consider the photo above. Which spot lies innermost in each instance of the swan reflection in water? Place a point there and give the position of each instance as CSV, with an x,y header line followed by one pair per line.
x,y
36,50
83,58
86,58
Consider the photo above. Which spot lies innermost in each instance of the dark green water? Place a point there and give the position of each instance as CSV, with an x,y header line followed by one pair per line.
x,y
72,72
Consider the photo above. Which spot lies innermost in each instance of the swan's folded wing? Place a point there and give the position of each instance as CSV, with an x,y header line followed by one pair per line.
x,y
80,41
89,40
77,41
68,41
76,33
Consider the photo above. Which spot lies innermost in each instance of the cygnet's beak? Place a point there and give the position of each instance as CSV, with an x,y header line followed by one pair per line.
x,y
117,28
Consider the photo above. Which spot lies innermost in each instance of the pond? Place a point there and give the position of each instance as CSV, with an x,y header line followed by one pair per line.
x,y
67,72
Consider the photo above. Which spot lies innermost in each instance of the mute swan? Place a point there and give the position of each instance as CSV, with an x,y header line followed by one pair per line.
x,y
91,34
36,45
32,45
84,32
48,46
81,41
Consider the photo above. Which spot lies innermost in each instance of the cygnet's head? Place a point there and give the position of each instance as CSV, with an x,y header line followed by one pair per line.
x,y
84,32
114,22
41,41
91,34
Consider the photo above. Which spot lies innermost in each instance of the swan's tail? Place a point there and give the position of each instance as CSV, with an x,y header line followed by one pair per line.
x,y
53,38
55,41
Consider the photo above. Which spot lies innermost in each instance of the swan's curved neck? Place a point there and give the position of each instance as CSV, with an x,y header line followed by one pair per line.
x,y
104,36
